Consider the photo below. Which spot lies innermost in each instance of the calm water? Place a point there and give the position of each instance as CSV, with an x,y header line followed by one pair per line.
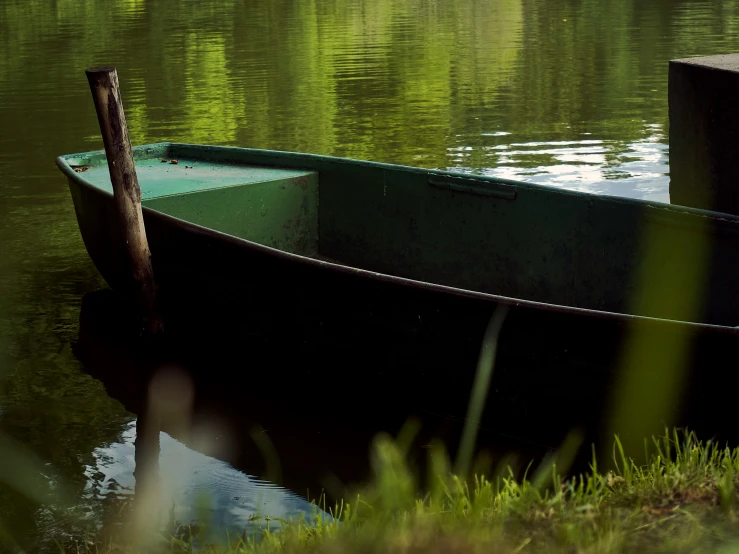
x,y
571,93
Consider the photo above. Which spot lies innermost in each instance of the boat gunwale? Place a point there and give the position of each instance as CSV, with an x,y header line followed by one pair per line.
x,y
66,168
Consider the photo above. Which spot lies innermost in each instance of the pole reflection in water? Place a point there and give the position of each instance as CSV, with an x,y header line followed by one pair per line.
x,y
148,503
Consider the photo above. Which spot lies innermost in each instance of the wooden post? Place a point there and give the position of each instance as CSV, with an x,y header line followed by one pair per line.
x,y
106,94
704,132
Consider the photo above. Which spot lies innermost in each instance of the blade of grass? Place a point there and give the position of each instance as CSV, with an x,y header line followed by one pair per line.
x,y
480,389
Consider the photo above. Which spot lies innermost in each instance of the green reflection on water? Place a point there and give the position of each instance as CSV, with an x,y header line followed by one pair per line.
x,y
481,86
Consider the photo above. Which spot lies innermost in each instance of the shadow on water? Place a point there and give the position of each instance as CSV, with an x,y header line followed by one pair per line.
x,y
299,403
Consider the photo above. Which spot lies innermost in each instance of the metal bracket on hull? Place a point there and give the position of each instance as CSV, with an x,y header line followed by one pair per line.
x,y
472,186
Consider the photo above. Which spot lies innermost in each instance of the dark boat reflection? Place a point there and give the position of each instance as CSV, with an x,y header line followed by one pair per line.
x,y
298,412
299,404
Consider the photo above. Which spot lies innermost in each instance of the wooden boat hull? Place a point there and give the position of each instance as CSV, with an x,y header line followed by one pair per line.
x,y
559,367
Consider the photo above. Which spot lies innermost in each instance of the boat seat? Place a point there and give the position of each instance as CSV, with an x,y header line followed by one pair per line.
x,y
272,206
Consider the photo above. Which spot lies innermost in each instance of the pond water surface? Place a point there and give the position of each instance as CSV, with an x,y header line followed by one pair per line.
x,y
570,93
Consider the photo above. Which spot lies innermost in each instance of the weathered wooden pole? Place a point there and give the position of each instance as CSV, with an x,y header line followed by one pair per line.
x,y
704,132
106,94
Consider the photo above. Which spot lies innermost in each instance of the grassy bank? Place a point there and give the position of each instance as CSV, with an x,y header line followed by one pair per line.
x,y
682,500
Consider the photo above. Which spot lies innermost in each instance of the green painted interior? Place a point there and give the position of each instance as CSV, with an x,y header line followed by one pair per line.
x,y
158,179
397,222
281,212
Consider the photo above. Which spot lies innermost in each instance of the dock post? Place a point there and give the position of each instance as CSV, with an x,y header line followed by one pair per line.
x,y
107,97
704,132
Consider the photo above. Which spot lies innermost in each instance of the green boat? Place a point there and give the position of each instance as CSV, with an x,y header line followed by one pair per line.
x,y
462,235
239,232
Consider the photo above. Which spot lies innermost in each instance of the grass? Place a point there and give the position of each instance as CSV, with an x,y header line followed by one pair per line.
x,y
682,500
